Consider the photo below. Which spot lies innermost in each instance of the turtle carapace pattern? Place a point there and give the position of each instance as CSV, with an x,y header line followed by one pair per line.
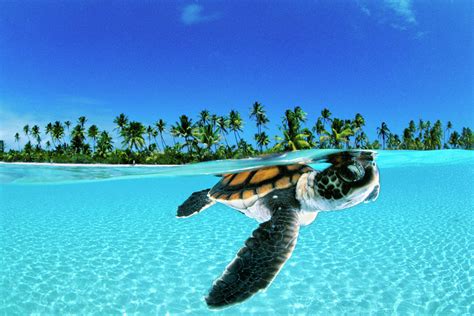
x,y
282,199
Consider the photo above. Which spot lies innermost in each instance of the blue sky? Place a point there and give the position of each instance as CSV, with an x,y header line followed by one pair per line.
x,y
390,60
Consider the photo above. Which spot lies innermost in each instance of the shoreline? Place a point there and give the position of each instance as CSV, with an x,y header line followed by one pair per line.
x,y
59,164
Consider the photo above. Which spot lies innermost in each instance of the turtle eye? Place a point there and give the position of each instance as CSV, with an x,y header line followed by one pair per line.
x,y
352,172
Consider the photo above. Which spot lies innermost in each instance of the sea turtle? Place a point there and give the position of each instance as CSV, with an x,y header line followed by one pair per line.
x,y
282,198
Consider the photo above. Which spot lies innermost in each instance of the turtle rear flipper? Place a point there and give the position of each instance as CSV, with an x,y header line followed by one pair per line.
x,y
197,202
258,262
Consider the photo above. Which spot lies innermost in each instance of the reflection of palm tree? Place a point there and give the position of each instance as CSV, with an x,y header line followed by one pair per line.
x,y
383,132
17,140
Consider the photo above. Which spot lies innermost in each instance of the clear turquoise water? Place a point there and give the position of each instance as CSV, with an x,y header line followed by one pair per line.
x,y
73,246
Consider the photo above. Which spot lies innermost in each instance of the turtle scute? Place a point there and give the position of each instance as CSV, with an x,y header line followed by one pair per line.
x,y
257,183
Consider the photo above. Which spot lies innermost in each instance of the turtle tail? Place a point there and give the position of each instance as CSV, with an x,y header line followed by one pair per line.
x,y
197,202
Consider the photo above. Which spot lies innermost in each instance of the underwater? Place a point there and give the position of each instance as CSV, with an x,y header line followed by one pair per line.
x,y
106,240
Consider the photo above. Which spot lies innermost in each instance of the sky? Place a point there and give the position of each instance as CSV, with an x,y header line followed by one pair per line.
x,y
391,60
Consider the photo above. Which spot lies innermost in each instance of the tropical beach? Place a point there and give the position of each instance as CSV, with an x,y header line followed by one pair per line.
x,y
214,137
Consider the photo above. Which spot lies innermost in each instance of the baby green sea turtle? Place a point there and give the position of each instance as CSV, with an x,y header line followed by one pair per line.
x,y
281,198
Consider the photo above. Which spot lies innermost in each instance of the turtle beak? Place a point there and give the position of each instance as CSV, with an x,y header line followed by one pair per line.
x,y
373,195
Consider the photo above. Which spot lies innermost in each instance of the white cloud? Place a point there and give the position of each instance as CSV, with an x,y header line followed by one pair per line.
x,y
399,14
402,8
193,14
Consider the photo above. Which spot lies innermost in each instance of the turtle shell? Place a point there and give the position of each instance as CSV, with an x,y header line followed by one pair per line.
x,y
257,183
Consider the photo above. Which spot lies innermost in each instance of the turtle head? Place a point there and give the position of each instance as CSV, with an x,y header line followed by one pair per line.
x,y
346,184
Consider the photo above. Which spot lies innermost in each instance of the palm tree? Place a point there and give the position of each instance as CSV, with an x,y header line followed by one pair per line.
x,y
213,120
454,139
93,132
133,135
326,115
26,130
104,144
449,126
48,145
467,138
393,141
223,123
150,131
291,141
293,137
68,125
299,114
77,140
435,135
319,130
17,140
204,117
407,138
383,132
358,123
184,129
174,133
262,140
258,112
82,120
235,124
161,128
340,133
35,132
412,127
361,140
57,131
121,121
207,135
49,130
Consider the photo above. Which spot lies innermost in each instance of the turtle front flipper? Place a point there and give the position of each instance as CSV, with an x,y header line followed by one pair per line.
x,y
258,262
197,202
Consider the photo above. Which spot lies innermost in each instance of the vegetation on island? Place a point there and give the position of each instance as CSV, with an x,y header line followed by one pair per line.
x,y
213,136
